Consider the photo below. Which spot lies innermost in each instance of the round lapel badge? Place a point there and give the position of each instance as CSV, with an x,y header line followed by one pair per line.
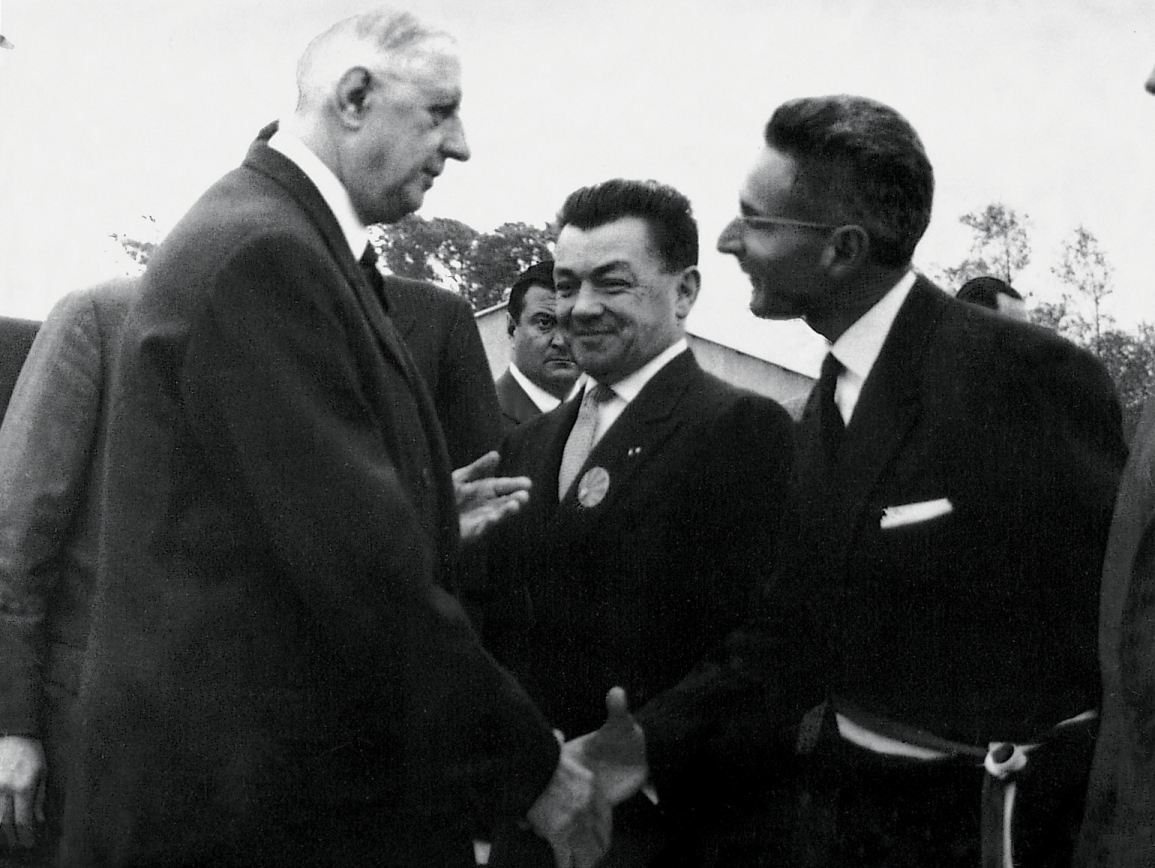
x,y
593,486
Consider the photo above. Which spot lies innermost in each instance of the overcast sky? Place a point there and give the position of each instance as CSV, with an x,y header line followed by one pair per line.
x,y
111,109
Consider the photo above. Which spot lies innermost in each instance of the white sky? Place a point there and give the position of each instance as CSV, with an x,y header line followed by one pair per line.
x,y
110,109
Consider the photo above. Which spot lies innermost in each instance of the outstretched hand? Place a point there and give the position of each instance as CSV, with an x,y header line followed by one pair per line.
x,y
484,500
616,753
22,781
573,815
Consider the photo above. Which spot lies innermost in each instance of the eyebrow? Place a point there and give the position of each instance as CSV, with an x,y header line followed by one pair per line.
x,y
601,270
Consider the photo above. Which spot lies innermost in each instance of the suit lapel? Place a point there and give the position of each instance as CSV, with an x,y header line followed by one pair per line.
x,y
275,165
401,309
635,438
887,409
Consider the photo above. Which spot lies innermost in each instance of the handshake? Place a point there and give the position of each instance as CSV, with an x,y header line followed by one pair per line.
x,y
596,772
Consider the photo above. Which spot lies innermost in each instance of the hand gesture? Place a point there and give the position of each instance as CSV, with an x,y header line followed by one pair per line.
x,y
572,815
23,773
484,500
616,753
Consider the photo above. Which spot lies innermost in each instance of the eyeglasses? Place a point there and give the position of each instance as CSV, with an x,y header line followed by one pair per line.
x,y
754,222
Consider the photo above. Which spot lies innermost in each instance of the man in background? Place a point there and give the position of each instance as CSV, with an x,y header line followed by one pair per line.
x,y
542,370
50,474
996,295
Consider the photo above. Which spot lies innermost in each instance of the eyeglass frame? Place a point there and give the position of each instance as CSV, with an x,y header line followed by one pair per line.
x,y
753,221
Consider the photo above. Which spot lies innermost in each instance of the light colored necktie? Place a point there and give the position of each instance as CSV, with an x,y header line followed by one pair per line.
x,y
581,437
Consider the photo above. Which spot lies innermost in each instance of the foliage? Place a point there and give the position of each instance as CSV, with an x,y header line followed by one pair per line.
x,y
1083,267
1000,247
136,249
481,266
1130,359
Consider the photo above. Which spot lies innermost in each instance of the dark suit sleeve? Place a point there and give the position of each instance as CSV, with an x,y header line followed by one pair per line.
x,y
46,443
280,400
466,398
734,716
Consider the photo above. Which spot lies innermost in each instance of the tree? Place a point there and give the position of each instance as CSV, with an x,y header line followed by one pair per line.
x,y
479,266
501,255
435,250
1130,359
1000,247
1083,267
138,250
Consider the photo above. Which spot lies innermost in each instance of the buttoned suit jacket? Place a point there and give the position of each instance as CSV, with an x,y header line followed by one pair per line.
x,y
277,670
976,624
516,405
441,334
50,473
632,589
1119,824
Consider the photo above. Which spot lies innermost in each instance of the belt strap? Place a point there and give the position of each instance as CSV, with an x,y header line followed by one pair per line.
x,y
1003,761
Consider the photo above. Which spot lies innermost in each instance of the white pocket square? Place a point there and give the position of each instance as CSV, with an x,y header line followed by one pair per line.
x,y
913,513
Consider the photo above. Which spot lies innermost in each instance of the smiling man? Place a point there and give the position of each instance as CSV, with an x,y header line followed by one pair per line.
x,y
657,501
542,370
928,654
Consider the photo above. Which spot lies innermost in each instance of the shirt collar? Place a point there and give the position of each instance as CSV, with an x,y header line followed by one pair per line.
x,y
630,386
859,346
540,397
328,185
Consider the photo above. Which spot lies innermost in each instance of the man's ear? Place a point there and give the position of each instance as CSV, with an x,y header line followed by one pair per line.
x,y
510,324
689,283
353,90
847,249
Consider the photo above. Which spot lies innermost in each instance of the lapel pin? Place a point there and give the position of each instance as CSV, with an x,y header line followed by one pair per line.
x,y
634,451
592,487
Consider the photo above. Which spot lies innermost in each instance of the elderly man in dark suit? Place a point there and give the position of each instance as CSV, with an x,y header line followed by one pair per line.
x,y
542,371
51,473
1119,825
658,495
278,672
929,645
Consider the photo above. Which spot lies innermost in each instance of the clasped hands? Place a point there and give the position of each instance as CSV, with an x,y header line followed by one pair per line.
x,y
596,772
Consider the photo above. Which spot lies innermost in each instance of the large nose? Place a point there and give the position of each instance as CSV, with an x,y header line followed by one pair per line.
x,y
730,241
454,145
586,303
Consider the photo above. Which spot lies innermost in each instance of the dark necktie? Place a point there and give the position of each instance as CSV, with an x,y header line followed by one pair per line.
x,y
830,416
581,437
368,263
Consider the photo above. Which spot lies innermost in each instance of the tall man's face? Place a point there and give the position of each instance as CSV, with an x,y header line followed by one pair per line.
x,y
782,260
411,127
539,347
617,300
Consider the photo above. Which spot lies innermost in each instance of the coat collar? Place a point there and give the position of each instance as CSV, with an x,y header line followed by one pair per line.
x,y
631,441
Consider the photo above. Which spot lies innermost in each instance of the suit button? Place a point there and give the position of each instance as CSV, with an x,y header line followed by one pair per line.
x,y
427,476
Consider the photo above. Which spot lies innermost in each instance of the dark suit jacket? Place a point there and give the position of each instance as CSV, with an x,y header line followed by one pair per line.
x,y
51,473
633,590
976,625
16,336
516,405
1119,825
277,671
441,334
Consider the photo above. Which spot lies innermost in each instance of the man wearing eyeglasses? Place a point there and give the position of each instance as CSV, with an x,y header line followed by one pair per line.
x,y
928,655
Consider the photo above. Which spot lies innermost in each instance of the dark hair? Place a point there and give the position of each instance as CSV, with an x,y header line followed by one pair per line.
x,y
540,274
858,161
985,291
667,213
